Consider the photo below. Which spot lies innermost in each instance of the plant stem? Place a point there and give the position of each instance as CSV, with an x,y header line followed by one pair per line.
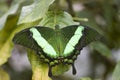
x,y
70,7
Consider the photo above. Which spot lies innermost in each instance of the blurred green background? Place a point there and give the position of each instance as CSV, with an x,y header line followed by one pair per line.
x,y
98,61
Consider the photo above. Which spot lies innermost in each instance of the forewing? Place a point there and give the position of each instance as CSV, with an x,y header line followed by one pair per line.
x,y
89,35
24,38
69,31
72,34
45,38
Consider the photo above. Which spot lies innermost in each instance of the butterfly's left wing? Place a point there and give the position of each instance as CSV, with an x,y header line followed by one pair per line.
x,y
73,35
78,36
89,35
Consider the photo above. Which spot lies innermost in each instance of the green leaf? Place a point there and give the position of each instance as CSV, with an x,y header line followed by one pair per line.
x,y
116,73
21,1
35,11
5,51
11,11
8,28
85,78
101,48
6,47
60,69
4,75
40,69
9,22
51,19
5,33
3,7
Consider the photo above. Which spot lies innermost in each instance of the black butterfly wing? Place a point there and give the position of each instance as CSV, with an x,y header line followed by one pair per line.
x,y
24,38
89,35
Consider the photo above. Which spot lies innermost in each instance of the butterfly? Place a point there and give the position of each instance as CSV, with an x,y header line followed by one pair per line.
x,y
59,45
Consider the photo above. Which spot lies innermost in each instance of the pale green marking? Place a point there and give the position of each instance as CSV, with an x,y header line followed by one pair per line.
x,y
47,48
68,48
38,38
74,40
79,30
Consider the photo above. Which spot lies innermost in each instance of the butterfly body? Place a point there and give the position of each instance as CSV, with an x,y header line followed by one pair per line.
x,y
56,46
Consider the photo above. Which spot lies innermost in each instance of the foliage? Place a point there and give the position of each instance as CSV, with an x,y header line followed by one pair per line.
x,y
116,74
103,15
4,75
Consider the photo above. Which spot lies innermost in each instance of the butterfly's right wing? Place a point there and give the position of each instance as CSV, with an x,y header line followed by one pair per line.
x,y
89,35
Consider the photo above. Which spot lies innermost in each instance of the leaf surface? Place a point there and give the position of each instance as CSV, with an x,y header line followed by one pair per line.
x,y
116,73
34,11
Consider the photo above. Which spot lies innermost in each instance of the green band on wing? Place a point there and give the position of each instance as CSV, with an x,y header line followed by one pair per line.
x,y
74,40
47,48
